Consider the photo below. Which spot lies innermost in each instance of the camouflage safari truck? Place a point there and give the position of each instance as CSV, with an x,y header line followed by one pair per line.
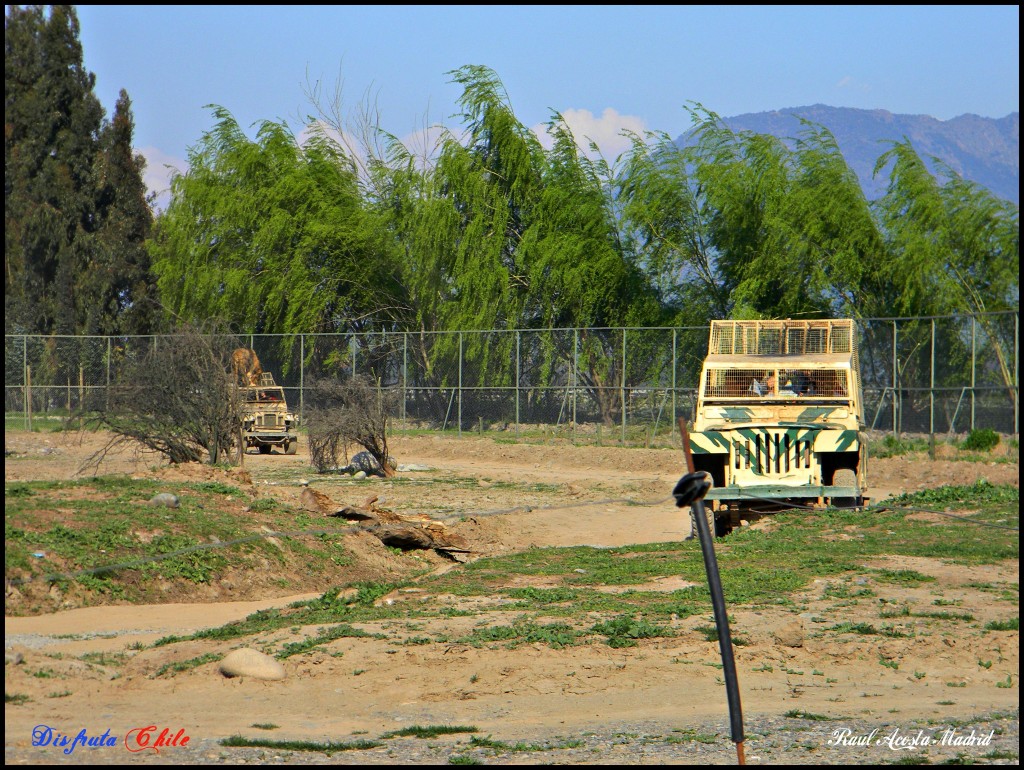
x,y
779,416
266,420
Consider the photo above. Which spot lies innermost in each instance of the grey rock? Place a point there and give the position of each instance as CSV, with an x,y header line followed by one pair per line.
x,y
166,499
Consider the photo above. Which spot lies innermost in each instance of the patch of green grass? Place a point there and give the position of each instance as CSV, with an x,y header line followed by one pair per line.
x,y
624,631
710,634
17,699
1000,754
801,714
966,616
429,731
490,743
188,665
1013,624
555,635
326,748
904,577
463,759
690,736
105,658
854,628
892,446
264,726
1007,683
306,645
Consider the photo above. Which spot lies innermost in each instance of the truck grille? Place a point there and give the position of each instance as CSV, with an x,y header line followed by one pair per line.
x,y
270,421
770,453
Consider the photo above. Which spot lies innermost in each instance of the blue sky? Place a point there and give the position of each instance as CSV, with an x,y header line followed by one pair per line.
x,y
605,68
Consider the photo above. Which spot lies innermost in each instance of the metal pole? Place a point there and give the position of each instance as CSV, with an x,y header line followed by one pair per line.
x,y
622,387
1016,375
690,490
674,366
405,374
931,391
352,350
517,383
974,327
24,379
460,383
302,378
895,375
575,376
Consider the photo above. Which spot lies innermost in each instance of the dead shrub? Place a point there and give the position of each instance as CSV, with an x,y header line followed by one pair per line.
x,y
178,399
356,411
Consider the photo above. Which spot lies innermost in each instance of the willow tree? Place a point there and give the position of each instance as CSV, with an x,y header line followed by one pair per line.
x,y
955,249
668,219
583,276
457,221
273,236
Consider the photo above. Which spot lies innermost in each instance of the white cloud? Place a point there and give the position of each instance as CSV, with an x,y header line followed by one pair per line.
x,y
851,83
605,131
157,177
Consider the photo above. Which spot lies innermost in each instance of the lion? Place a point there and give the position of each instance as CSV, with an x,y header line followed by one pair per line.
x,y
246,366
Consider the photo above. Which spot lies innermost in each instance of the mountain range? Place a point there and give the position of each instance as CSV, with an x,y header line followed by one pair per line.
x,y
983,150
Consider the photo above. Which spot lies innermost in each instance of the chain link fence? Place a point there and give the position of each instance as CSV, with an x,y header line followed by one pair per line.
x,y
948,374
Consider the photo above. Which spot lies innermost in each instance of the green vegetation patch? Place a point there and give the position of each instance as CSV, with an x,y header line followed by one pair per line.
x,y
103,534
430,731
327,748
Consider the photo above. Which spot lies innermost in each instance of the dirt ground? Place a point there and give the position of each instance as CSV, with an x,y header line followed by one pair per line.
x,y
588,704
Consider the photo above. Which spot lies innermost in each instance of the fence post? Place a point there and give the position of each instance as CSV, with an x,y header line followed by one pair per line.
x,y
674,366
460,384
895,381
405,376
1016,374
575,377
931,391
622,387
302,378
973,365
517,382
24,380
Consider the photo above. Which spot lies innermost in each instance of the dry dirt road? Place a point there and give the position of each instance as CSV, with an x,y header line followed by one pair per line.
x,y
806,699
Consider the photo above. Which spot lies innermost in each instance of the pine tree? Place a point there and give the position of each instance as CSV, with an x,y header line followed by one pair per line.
x,y
66,175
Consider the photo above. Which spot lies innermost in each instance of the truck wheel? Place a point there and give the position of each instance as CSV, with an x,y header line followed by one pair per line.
x,y
291,447
844,477
264,449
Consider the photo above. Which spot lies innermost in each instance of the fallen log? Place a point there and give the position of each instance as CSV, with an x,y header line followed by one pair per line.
x,y
404,531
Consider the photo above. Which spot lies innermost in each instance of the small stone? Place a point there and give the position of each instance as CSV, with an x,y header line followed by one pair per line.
x,y
166,499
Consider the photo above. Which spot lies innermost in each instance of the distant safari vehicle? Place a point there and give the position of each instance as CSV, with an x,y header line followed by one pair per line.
x,y
266,420
779,416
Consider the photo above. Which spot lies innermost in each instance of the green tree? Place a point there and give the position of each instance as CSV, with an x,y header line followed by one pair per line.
x,y
62,271
953,248
120,280
274,236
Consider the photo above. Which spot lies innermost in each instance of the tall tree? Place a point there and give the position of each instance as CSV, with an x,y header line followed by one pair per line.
x,y
274,236
60,270
120,284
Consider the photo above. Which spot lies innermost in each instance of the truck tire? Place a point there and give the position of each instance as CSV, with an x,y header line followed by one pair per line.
x,y
265,449
291,447
844,477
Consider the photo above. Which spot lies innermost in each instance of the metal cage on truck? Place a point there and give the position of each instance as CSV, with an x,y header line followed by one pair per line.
x,y
779,414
